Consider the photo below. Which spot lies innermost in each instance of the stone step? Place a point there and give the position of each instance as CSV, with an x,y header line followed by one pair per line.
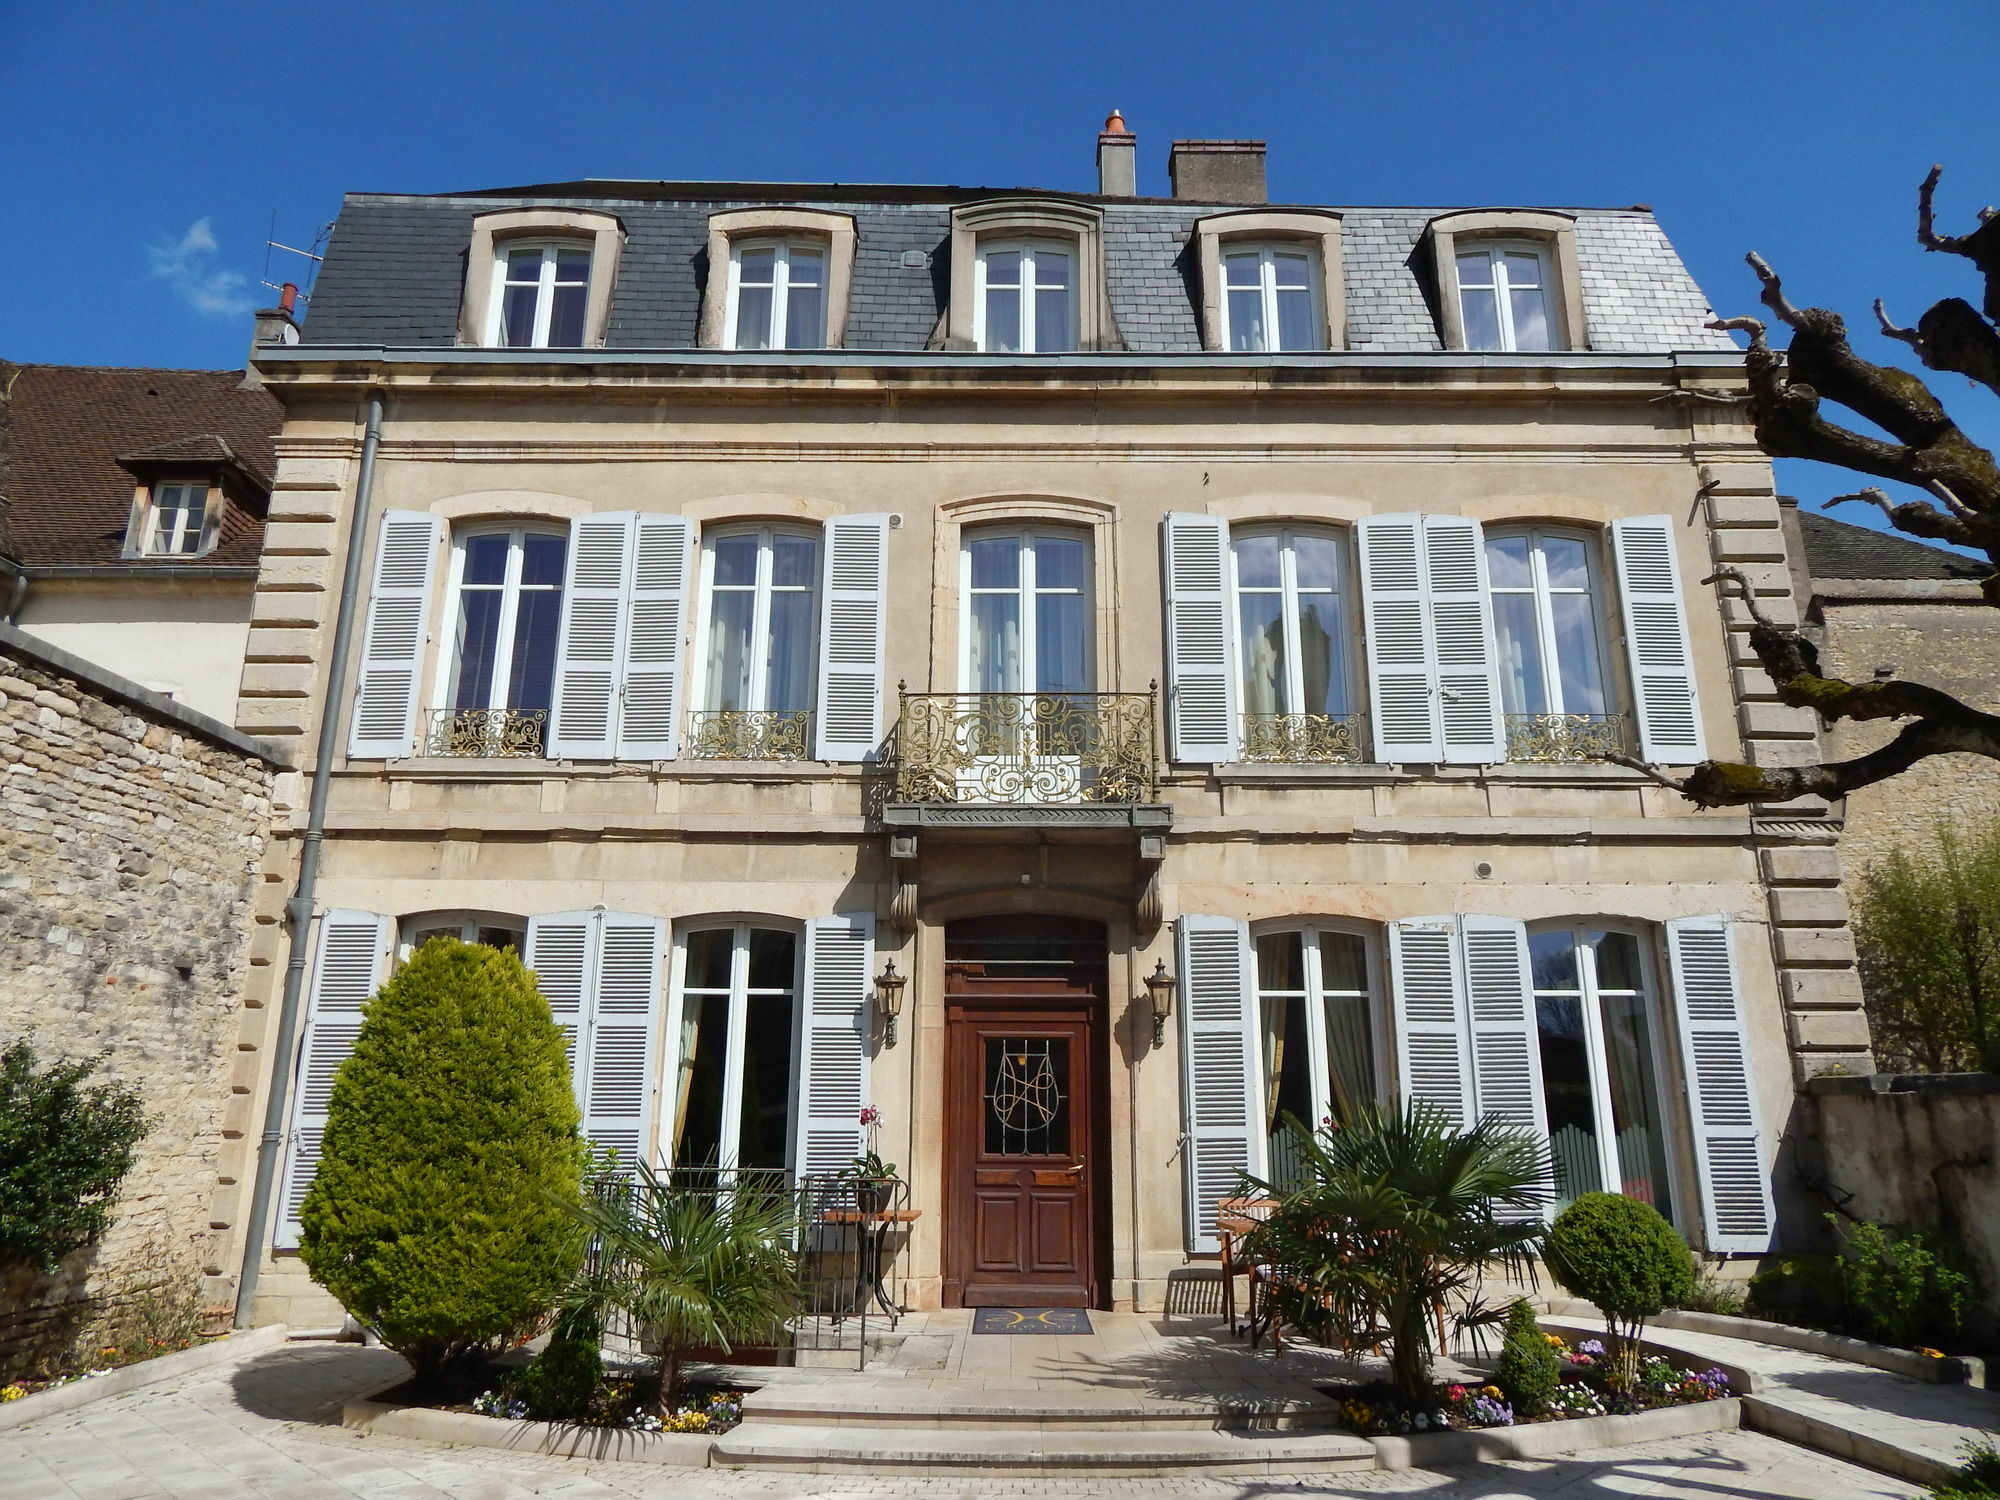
x,y
897,1405
982,1450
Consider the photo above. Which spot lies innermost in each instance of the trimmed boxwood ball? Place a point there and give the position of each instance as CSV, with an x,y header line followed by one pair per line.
x,y
451,1144
1528,1370
1625,1259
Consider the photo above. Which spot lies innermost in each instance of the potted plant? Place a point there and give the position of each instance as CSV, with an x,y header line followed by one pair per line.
x,y
874,1178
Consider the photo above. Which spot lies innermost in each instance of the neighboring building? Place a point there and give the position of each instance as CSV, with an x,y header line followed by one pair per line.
x,y
134,517
1048,593
1880,604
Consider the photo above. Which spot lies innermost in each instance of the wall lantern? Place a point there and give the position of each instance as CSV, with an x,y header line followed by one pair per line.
x,y
889,1000
1160,990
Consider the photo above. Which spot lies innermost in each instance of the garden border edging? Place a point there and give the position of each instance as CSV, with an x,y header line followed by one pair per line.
x,y
1951,1370
62,1398
684,1450
1429,1450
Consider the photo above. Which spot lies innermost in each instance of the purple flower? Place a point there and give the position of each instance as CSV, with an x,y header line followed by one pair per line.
x,y
1590,1346
870,1115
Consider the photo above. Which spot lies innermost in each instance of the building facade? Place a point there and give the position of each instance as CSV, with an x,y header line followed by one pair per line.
x,y
1177,635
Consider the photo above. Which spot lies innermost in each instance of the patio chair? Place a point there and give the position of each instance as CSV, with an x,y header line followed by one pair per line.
x,y
1234,1219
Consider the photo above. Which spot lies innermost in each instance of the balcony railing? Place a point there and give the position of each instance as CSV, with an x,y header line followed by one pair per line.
x,y
1026,748
749,734
507,733
1305,739
1565,737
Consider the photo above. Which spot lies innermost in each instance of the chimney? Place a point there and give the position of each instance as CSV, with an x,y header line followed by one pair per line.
x,y
1117,159
1218,171
275,325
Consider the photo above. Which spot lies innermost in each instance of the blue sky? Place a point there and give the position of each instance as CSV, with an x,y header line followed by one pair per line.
x,y
152,146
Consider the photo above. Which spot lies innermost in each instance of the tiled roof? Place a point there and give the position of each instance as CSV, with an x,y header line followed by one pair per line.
x,y
394,273
70,426
1838,549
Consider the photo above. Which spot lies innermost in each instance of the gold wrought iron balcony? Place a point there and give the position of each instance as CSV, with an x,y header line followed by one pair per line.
x,y
749,734
1565,737
1305,739
502,733
1026,748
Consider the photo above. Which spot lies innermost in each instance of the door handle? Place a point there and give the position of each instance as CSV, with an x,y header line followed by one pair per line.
x,y
1077,1170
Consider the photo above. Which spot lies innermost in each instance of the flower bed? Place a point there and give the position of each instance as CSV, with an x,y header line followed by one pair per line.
x,y
103,1361
618,1405
1370,1411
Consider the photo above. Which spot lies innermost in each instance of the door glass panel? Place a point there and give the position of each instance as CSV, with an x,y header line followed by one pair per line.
x,y
772,959
1295,320
1061,643
728,674
996,643
1060,562
1573,1125
1523,682
537,623
566,317
478,639
765,1116
789,673
698,1115
1263,623
708,959
1288,1090
1026,1096
1257,561
1323,674
1003,320
1581,673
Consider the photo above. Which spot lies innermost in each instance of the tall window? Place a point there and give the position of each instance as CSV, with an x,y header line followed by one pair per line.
x,y
778,296
467,927
1272,303
507,586
1601,1080
1028,612
1291,593
1316,997
1026,297
732,1100
177,519
761,585
1503,297
540,295
1548,622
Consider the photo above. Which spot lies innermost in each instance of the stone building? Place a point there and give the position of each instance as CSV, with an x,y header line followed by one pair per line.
x,y
132,831
1178,635
133,505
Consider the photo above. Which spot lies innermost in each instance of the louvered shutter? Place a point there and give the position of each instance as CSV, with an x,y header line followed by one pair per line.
x,y
392,642
655,633
349,960
1431,1035
1201,640
1656,640
1737,1213
833,1066
590,654
1221,1082
562,951
852,627
621,1078
1462,645
1506,1041
1396,610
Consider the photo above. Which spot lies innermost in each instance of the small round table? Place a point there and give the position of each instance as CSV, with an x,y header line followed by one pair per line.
x,y
873,1227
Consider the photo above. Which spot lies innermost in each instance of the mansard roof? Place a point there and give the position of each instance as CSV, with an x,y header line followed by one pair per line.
x,y
1840,549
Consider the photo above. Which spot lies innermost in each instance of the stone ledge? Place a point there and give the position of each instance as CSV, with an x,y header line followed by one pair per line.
x,y
1762,1415
1934,1084
1539,1439
117,1382
1907,1362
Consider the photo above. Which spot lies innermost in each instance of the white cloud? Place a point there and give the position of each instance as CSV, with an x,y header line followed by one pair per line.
x,y
187,265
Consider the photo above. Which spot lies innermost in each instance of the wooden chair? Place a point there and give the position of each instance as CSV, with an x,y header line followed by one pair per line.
x,y
1234,1219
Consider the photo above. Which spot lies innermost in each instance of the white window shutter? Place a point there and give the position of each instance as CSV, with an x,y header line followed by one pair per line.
x,y
590,654
833,1065
1462,643
1202,690
1395,605
392,642
1656,640
1737,1212
562,952
621,1075
656,632
350,958
1428,986
1221,1080
1506,1039
853,615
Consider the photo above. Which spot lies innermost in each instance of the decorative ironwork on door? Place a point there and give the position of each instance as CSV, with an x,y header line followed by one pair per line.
x,y
1027,1096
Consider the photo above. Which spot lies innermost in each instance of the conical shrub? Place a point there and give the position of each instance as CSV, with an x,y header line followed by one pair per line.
x,y
451,1142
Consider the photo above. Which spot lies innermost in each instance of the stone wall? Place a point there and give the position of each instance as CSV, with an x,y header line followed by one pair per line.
x,y
131,831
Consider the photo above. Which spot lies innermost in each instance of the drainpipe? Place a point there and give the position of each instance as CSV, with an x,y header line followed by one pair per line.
x,y
17,590
299,910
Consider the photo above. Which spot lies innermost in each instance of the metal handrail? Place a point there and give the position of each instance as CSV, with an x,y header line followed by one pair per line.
x,y
1026,748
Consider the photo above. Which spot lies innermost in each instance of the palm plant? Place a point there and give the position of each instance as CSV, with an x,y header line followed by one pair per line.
x,y
686,1268
1391,1227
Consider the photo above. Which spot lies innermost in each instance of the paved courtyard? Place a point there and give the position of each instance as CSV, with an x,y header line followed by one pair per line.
x,y
268,1427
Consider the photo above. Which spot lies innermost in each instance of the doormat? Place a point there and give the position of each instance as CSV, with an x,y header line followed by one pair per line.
x,y
1030,1320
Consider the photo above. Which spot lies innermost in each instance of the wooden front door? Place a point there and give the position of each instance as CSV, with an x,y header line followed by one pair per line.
x,y
1023,1114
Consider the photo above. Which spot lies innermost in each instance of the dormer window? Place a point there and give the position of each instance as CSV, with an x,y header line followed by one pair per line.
x,y
1271,281
176,523
539,296
1026,297
1503,297
1272,298
1507,281
1027,277
777,295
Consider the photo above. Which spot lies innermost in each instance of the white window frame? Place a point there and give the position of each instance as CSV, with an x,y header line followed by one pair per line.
x,y
1294,689
760,623
1028,289
1542,591
159,541
1499,287
781,290
1381,1038
510,590
1660,1027
1267,252
467,925
1027,589
735,1036
545,284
